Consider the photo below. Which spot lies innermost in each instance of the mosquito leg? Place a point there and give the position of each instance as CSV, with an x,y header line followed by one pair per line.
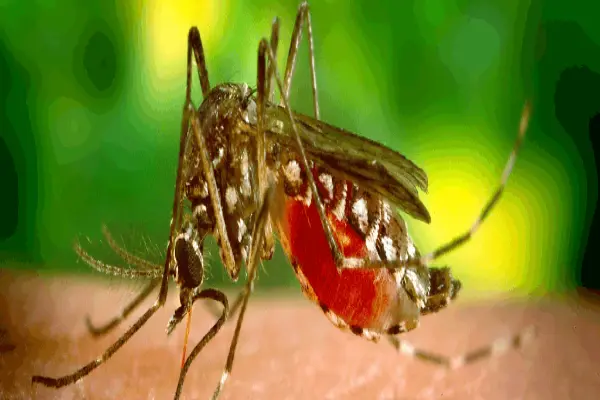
x,y
265,94
206,164
115,270
302,17
220,297
265,88
102,330
485,211
252,266
86,369
194,43
496,348
274,44
339,258
444,289
155,273
154,269
262,217
233,309
129,258
466,236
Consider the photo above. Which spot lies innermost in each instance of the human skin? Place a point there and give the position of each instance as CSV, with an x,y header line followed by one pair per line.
x,y
288,349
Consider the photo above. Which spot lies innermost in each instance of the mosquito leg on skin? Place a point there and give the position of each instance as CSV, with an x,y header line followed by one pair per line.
x,y
102,330
302,17
262,216
444,289
217,296
86,369
252,266
496,348
155,273
195,44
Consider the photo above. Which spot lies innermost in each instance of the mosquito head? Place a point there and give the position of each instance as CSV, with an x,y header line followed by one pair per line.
x,y
189,272
188,260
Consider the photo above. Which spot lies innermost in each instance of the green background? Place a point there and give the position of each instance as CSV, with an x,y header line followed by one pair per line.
x,y
91,94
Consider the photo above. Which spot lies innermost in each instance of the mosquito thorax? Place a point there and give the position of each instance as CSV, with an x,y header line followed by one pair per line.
x,y
224,116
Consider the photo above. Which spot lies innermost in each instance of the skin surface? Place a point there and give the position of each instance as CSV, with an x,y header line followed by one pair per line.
x,y
289,350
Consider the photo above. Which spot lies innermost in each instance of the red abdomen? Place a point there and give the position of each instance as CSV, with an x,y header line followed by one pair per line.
x,y
371,299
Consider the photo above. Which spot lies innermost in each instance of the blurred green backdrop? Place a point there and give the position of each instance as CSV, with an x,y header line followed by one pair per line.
x,y
91,94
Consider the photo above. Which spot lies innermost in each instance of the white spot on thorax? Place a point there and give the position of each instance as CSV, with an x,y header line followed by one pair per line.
x,y
241,229
217,160
249,114
246,188
199,210
231,198
277,126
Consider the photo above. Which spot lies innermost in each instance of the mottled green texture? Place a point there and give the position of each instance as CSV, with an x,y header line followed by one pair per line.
x,y
91,121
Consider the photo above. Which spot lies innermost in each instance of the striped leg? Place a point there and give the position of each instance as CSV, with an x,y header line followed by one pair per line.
x,y
496,348
485,211
302,17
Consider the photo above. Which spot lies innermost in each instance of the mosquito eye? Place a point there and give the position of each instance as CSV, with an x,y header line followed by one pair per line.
x,y
190,267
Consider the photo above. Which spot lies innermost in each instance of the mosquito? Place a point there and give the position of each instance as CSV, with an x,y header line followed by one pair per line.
x,y
250,167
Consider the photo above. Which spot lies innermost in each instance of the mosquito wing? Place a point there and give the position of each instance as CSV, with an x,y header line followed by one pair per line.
x,y
365,162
